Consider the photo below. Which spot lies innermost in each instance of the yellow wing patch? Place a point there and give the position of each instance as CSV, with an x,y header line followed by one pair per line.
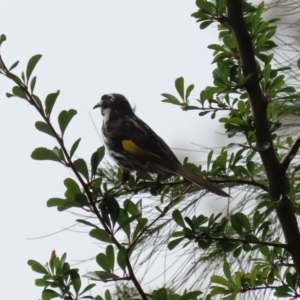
x,y
130,147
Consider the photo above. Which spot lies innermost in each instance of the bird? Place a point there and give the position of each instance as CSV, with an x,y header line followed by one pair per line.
x,y
136,147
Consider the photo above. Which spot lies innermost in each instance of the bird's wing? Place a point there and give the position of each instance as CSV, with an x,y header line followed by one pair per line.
x,y
137,138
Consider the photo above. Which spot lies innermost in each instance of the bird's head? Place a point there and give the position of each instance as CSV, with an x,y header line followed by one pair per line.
x,y
114,105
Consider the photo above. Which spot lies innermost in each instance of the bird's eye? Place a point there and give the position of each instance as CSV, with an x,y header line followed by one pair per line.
x,y
103,104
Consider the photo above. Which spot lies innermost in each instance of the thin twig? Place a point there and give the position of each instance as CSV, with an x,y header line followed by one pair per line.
x,y
290,155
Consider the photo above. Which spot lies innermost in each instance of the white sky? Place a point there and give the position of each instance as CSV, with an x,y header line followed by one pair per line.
x,y
89,48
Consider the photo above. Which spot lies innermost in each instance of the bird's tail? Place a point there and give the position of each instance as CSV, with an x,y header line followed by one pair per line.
x,y
197,179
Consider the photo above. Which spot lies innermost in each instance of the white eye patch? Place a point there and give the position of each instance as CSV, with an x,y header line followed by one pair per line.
x,y
106,114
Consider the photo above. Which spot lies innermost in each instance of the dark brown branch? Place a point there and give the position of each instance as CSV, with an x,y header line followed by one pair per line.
x,y
242,241
257,288
275,176
242,181
70,164
285,265
258,103
290,155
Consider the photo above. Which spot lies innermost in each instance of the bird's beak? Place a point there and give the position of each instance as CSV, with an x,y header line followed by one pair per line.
x,y
97,105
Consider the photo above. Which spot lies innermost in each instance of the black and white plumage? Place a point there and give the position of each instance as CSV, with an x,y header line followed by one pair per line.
x,y
136,147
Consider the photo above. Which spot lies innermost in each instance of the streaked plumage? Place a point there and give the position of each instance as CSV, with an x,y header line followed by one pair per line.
x,y
136,147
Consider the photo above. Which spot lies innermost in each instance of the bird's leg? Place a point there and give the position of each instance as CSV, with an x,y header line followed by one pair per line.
x,y
158,180
125,177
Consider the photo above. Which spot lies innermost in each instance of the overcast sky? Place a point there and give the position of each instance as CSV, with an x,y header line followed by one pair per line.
x,y
89,48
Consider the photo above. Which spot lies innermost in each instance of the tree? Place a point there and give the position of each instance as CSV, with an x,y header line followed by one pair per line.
x,y
256,256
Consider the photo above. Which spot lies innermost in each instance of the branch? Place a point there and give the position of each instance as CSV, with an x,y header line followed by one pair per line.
x,y
70,164
272,166
242,181
242,241
290,155
258,103
247,289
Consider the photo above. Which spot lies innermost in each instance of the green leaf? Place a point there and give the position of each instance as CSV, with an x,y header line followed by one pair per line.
x,y
23,77
142,222
64,119
87,223
38,101
100,235
229,41
72,188
237,252
87,288
112,207
44,154
74,147
107,295
283,291
251,167
13,65
178,218
59,153
44,127
110,255
121,258
37,267
222,281
264,250
123,224
61,204
32,84
243,220
96,159
161,294
82,199
174,243
190,295
103,262
203,113
171,99
31,65
82,168
188,91
14,77
205,24
19,92
48,294
179,84
76,285
298,63
42,282
251,238
226,270
2,38
131,207
49,102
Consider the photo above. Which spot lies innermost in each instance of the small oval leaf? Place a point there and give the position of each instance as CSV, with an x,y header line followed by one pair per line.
x,y
44,154
44,127
49,102
31,65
